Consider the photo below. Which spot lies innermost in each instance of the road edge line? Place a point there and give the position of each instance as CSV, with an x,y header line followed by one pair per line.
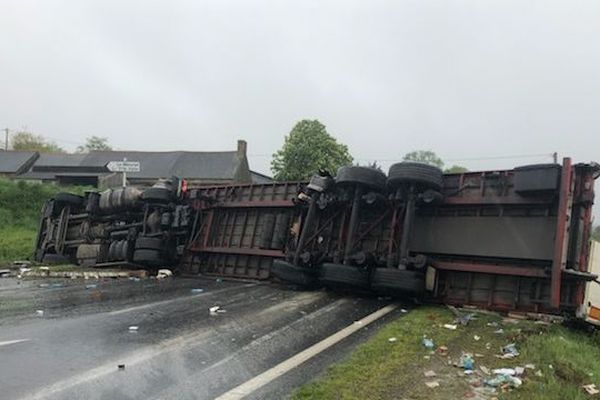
x,y
253,384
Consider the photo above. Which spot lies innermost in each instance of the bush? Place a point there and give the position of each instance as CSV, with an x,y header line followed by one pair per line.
x,y
20,207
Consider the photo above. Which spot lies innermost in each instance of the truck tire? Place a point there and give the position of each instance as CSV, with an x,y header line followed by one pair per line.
x,y
396,281
69,199
147,257
344,275
369,177
290,273
157,195
424,175
148,243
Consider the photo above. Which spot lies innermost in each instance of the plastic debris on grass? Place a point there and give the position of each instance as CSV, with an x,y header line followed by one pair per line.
x,y
197,290
392,339
442,351
591,389
430,374
450,326
432,384
427,343
466,361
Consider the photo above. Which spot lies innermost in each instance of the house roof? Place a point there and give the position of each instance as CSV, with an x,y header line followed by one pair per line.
x,y
222,165
11,162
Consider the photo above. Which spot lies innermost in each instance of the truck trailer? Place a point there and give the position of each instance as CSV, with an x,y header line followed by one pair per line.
x,y
510,240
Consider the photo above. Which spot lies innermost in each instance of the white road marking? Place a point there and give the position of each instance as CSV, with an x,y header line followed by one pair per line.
x,y
184,298
6,343
271,374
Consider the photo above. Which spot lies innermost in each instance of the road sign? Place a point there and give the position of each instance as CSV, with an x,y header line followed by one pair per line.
x,y
123,166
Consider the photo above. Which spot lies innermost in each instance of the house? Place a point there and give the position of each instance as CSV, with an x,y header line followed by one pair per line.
x,y
13,163
199,168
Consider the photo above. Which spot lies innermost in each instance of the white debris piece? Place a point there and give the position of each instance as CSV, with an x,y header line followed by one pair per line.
x,y
213,310
432,384
164,273
505,371
392,339
450,326
40,312
430,374
133,328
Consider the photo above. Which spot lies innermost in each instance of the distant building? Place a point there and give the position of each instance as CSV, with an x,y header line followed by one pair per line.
x,y
13,163
199,168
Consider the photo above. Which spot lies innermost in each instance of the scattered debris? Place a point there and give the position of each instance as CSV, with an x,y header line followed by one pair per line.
x,y
509,351
499,331
504,381
539,373
133,328
466,361
197,290
442,351
493,324
430,374
164,273
519,370
219,280
40,312
484,369
403,310
4,273
428,343
450,326
530,366
392,339
214,310
432,384
505,371
476,338
591,389
121,367
91,286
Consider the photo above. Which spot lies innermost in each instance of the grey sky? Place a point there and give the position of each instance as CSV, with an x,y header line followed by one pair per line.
x,y
466,79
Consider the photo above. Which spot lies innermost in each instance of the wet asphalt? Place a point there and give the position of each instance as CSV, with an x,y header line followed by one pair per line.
x,y
75,334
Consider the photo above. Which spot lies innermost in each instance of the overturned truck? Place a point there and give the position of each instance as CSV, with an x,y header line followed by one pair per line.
x,y
507,240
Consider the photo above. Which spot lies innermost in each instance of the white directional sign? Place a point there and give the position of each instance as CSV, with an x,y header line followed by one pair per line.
x,y
123,166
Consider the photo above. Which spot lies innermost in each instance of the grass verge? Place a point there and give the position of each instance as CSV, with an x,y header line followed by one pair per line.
x,y
563,361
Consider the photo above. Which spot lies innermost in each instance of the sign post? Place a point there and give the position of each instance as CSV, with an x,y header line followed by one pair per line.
x,y
124,167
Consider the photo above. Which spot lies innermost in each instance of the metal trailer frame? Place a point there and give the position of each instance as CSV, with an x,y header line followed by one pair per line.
x,y
547,272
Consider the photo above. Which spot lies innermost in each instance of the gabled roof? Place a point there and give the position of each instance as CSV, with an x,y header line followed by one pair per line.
x,y
220,165
13,162
193,165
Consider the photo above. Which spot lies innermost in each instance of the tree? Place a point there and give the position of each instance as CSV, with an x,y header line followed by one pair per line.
x,y
425,156
456,169
307,149
27,141
596,233
93,143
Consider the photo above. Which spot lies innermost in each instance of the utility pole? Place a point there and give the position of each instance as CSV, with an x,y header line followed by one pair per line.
x,y
555,156
6,139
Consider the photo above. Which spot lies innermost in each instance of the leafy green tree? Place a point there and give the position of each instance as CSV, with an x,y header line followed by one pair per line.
x,y
93,143
455,169
424,156
307,149
27,141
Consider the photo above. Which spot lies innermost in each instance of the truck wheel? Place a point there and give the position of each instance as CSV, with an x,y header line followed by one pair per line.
x,y
147,257
158,195
344,275
396,281
424,175
148,243
69,199
369,177
292,274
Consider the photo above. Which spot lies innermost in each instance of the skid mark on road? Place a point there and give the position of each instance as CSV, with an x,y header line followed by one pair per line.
x,y
178,299
270,375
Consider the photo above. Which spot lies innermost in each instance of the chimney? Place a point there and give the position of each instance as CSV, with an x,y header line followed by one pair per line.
x,y
241,148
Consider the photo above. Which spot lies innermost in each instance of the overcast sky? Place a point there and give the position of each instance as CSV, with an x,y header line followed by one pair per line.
x,y
466,79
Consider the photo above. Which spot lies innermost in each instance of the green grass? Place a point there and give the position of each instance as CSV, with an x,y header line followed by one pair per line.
x,y
380,369
20,206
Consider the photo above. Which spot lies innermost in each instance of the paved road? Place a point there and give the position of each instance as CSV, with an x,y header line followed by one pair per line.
x,y
179,351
